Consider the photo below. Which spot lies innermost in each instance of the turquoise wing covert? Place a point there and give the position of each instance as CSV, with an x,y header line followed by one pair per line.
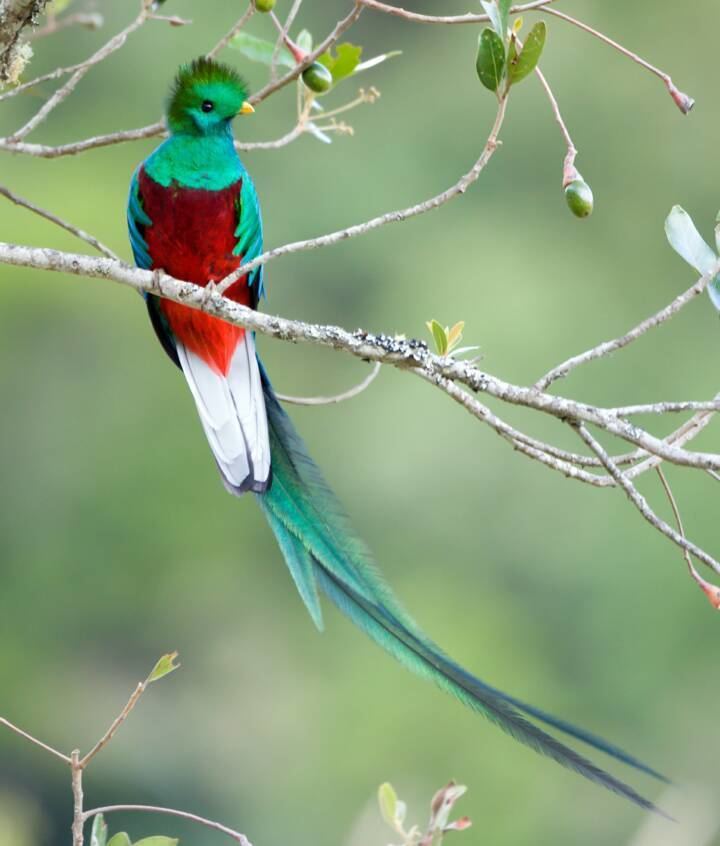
x,y
137,219
249,233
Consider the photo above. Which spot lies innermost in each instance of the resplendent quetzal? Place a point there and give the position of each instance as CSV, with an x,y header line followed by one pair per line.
x,y
193,212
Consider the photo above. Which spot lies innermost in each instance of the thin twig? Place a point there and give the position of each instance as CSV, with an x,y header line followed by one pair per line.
x,y
460,187
53,218
232,32
185,815
345,395
77,791
283,34
569,171
398,12
46,77
85,20
681,100
116,723
710,591
115,43
666,407
639,501
34,740
607,347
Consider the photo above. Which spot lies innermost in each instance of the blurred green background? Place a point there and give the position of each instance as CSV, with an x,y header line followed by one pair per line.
x,y
117,542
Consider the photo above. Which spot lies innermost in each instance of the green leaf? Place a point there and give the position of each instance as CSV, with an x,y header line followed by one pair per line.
x,y
260,50
504,8
439,336
490,61
687,241
164,666
304,41
387,799
120,839
343,63
158,841
529,56
98,835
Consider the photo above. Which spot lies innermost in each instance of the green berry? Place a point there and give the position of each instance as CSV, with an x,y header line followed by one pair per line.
x,y
317,78
264,5
579,197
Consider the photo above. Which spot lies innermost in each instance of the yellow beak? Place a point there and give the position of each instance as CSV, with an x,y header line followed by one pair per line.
x,y
246,109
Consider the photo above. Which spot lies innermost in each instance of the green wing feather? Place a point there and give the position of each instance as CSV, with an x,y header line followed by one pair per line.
x,y
323,552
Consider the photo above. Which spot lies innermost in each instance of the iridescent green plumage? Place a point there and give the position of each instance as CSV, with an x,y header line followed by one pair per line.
x,y
323,552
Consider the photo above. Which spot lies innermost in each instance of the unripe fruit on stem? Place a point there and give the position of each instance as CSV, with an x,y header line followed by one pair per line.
x,y
264,5
579,198
317,78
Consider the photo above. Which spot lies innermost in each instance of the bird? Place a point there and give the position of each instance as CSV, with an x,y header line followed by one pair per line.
x,y
193,212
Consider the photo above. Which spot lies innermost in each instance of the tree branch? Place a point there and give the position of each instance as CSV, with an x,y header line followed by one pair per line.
x,y
53,218
185,815
606,347
355,391
639,501
16,15
401,353
460,187
65,758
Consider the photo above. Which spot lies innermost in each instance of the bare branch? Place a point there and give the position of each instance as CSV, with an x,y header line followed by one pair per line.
x,y
24,734
74,230
681,100
115,725
446,19
283,30
45,151
77,790
64,91
639,501
569,171
399,352
345,395
151,809
666,407
710,591
232,32
460,187
85,20
607,347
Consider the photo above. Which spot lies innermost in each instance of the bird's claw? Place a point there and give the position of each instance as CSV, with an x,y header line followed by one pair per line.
x,y
208,292
157,276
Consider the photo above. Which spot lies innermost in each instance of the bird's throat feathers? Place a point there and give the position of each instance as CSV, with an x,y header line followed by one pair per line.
x,y
191,161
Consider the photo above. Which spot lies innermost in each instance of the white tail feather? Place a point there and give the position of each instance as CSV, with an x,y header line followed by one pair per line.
x,y
232,412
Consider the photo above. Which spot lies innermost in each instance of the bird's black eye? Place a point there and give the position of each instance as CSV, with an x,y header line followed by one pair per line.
x,y
207,106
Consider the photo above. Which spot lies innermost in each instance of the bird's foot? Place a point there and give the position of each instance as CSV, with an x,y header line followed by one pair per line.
x,y
157,276
208,292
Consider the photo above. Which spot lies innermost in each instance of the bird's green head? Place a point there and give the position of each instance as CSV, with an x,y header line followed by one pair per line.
x,y
205,96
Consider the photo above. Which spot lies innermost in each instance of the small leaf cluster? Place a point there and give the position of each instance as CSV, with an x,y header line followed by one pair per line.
x,y
446,337
394,811
99,837
501,59
684,238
